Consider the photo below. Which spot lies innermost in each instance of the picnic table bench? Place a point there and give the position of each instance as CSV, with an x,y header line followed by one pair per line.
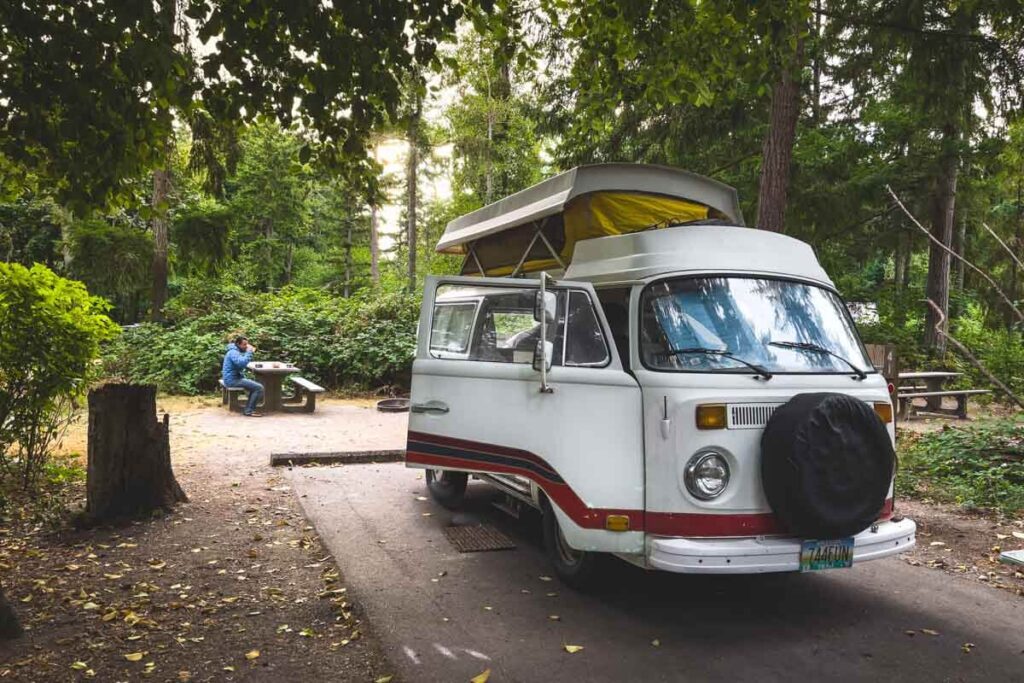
x,y
305,389
933,393
232,397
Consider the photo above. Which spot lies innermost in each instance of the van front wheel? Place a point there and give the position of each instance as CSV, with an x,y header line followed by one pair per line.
x,y
576,568
448,488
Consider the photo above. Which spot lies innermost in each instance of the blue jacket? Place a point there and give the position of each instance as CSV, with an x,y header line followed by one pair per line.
x,y
234,362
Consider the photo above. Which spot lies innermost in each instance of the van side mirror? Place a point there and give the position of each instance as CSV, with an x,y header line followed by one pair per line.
x,y
543,353
544,307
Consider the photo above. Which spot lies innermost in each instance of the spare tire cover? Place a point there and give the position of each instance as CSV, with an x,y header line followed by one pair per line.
x,y
826,465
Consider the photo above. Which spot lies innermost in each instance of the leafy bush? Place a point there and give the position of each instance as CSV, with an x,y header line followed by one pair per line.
x,y
1001,350
978,466
52,330
365,341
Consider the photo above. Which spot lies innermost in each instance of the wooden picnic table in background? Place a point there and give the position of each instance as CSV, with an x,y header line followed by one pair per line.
x,y
933,392
271,375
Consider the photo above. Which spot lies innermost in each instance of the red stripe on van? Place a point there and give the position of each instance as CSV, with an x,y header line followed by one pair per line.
x,y
683,524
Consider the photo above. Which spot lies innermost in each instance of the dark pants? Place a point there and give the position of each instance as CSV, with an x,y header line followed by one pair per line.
x,y
255,390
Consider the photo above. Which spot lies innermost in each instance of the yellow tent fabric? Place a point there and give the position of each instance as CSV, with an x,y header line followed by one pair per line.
x,y
619,213
598,214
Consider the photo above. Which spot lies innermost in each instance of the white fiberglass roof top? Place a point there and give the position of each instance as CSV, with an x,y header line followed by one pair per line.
x,y
550,197
711,249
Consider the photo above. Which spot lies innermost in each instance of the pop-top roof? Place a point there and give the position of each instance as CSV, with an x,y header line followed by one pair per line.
x,y
539,227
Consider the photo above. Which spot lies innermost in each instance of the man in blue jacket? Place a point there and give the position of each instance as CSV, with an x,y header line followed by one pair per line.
x,y
237,359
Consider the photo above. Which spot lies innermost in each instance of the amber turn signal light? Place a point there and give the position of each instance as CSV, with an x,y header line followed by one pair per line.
x,y
711,416
616,523
884,411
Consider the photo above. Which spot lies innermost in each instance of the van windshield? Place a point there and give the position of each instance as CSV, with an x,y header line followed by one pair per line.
x,y
747,317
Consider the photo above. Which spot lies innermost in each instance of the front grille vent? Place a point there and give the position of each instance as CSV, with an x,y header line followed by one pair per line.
x,y
750,415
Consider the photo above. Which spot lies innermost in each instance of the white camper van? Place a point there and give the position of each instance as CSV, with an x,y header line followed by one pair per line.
x,y
664,384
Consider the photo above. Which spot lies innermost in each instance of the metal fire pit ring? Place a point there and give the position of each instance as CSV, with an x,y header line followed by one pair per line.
x,y
393,405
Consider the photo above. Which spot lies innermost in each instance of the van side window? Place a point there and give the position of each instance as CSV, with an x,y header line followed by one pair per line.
x,y
493,324
584,342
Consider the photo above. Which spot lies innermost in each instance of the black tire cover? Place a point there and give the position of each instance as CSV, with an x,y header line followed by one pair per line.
x,y
826,465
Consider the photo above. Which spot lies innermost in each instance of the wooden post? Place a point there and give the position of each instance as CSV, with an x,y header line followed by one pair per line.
x,y
129,470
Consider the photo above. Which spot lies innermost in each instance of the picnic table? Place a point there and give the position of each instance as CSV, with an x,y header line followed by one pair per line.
x,y
272,375
932,391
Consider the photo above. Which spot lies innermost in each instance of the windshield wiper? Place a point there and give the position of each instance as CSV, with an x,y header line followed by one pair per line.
x,y
758,370
809,346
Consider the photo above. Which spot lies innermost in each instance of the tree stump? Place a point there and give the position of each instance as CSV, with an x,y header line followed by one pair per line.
x,y
129,470
9,625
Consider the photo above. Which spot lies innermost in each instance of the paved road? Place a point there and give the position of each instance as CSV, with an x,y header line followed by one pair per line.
x,y
491,610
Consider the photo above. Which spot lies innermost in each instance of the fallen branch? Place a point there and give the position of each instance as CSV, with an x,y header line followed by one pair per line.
x,y
1004,246
979,271
970,356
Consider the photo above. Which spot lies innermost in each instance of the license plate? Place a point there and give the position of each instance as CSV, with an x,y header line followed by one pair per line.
x,y
818,555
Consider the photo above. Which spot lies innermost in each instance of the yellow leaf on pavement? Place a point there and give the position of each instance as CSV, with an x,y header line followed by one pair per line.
x,y
481,677
384,679
134,657
79,666
572,649
157,564
252,654
930,632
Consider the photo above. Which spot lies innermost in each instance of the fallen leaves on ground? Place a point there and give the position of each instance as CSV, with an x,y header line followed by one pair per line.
x,y
572,649
481,677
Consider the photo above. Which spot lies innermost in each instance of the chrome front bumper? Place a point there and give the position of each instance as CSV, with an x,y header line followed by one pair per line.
x,y
755,555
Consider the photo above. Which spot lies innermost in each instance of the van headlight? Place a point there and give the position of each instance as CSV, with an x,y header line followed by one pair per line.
x,y
706,475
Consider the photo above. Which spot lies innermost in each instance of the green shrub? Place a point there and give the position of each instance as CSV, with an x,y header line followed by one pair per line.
x,y
978,466
52,330
999,349
365,341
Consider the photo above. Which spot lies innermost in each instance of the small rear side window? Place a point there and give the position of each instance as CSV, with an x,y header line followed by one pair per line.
x,y
452,326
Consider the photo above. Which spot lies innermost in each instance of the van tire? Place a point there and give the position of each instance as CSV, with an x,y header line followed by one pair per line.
x,y
577,569
447,487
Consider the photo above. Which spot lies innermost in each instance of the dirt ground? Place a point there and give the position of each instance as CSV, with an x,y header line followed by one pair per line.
x,y
232,585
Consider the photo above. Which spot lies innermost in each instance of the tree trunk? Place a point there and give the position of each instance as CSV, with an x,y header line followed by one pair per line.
x,y
411,192
961,249
901,276
374,247
10,627
348,260
161,190
816,64
129,467
777,152
937,287
1018,245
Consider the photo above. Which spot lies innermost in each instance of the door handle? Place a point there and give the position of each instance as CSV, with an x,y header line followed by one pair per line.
x,y
437,407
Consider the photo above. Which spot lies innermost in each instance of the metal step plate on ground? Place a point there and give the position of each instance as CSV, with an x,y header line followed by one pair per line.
x,y
477,538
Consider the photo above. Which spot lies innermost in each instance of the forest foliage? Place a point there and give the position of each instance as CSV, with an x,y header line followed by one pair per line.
x,y
272,219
